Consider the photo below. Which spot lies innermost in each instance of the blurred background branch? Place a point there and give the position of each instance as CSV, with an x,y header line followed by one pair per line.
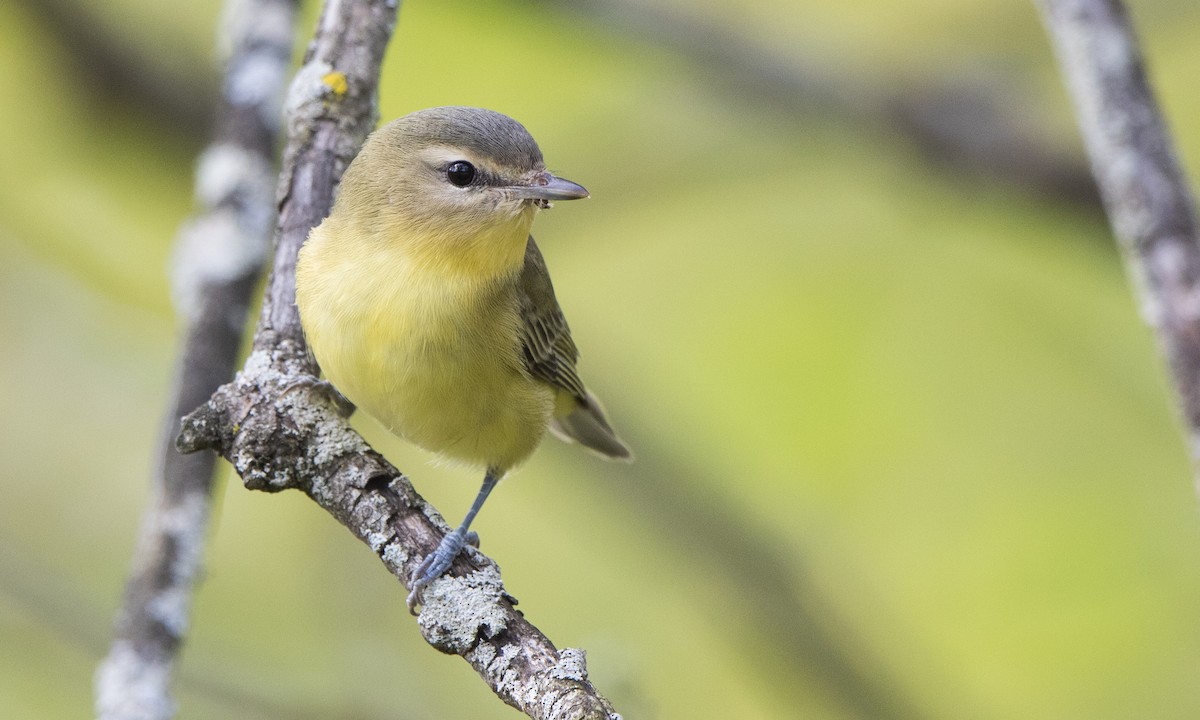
x,y
971,125
219,257
1146,193
177,92
967,126
78,621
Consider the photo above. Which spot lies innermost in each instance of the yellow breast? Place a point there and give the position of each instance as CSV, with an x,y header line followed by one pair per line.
x,y
430,349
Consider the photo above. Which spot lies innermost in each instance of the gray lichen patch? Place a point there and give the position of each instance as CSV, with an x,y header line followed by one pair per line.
x,y
228,240
332,436
129,685
459,610
571,665
372,516
395,557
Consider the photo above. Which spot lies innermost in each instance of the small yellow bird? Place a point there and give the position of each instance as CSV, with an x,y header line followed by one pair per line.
x,y
427,303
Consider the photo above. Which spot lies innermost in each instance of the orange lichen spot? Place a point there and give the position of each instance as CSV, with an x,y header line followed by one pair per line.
x,y
336,82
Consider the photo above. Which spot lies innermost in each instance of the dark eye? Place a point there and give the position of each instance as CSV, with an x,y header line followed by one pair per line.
x,y
461,173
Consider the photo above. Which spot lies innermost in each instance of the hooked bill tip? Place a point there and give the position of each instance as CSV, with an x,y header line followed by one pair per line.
x,y
549,187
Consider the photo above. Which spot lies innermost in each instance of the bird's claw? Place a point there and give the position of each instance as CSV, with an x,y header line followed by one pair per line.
x,y
437,563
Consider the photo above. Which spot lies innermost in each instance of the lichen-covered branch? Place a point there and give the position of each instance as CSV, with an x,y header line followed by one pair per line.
x,y
277,438
219,255
1145,191
277,426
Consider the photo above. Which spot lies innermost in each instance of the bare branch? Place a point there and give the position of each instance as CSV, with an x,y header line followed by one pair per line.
x,y
1145,192
219,254
268,426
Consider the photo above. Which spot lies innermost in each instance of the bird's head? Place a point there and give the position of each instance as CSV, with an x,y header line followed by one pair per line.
x,y
454,172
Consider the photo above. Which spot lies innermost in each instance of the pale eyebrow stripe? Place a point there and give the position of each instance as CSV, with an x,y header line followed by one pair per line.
x,y
438,156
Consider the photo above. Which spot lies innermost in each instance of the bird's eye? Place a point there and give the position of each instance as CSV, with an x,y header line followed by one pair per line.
x,y
461,173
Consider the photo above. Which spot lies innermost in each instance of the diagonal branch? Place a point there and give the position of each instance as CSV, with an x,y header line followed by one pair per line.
x,y
1145,192
219,255
278,429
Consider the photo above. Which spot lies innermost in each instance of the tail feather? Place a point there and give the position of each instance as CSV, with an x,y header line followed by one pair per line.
x,y
586,424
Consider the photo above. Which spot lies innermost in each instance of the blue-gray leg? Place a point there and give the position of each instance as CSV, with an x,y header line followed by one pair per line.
x,y
438,562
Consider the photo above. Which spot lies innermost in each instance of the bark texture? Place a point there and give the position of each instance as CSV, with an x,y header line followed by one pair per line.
x,y
1145,191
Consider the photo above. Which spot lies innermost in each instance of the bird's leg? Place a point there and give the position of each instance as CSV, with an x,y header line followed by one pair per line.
x,y
437,562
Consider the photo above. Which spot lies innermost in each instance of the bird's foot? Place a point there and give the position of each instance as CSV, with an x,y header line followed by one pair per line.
x,y
324,388
437,563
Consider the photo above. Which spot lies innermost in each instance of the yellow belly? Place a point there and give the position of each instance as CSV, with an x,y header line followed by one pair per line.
x,y
437,362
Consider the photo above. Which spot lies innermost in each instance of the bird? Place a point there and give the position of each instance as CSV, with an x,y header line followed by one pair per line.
x,y
426,302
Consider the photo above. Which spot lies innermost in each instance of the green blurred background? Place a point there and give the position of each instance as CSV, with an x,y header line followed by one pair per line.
x,y
905,448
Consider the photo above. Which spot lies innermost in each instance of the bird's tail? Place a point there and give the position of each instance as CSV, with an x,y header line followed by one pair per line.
x,y
584,422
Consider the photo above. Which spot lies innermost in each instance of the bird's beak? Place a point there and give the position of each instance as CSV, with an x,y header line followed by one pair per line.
x,y
545,186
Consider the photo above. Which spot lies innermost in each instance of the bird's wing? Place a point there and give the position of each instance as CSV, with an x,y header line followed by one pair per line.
x,y
550,356
549,352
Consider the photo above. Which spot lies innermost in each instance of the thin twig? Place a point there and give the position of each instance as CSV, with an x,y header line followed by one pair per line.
x,y
279,433
219,256
1145,191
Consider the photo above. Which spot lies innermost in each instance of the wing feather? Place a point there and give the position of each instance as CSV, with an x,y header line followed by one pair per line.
x,y
549,352
550,356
